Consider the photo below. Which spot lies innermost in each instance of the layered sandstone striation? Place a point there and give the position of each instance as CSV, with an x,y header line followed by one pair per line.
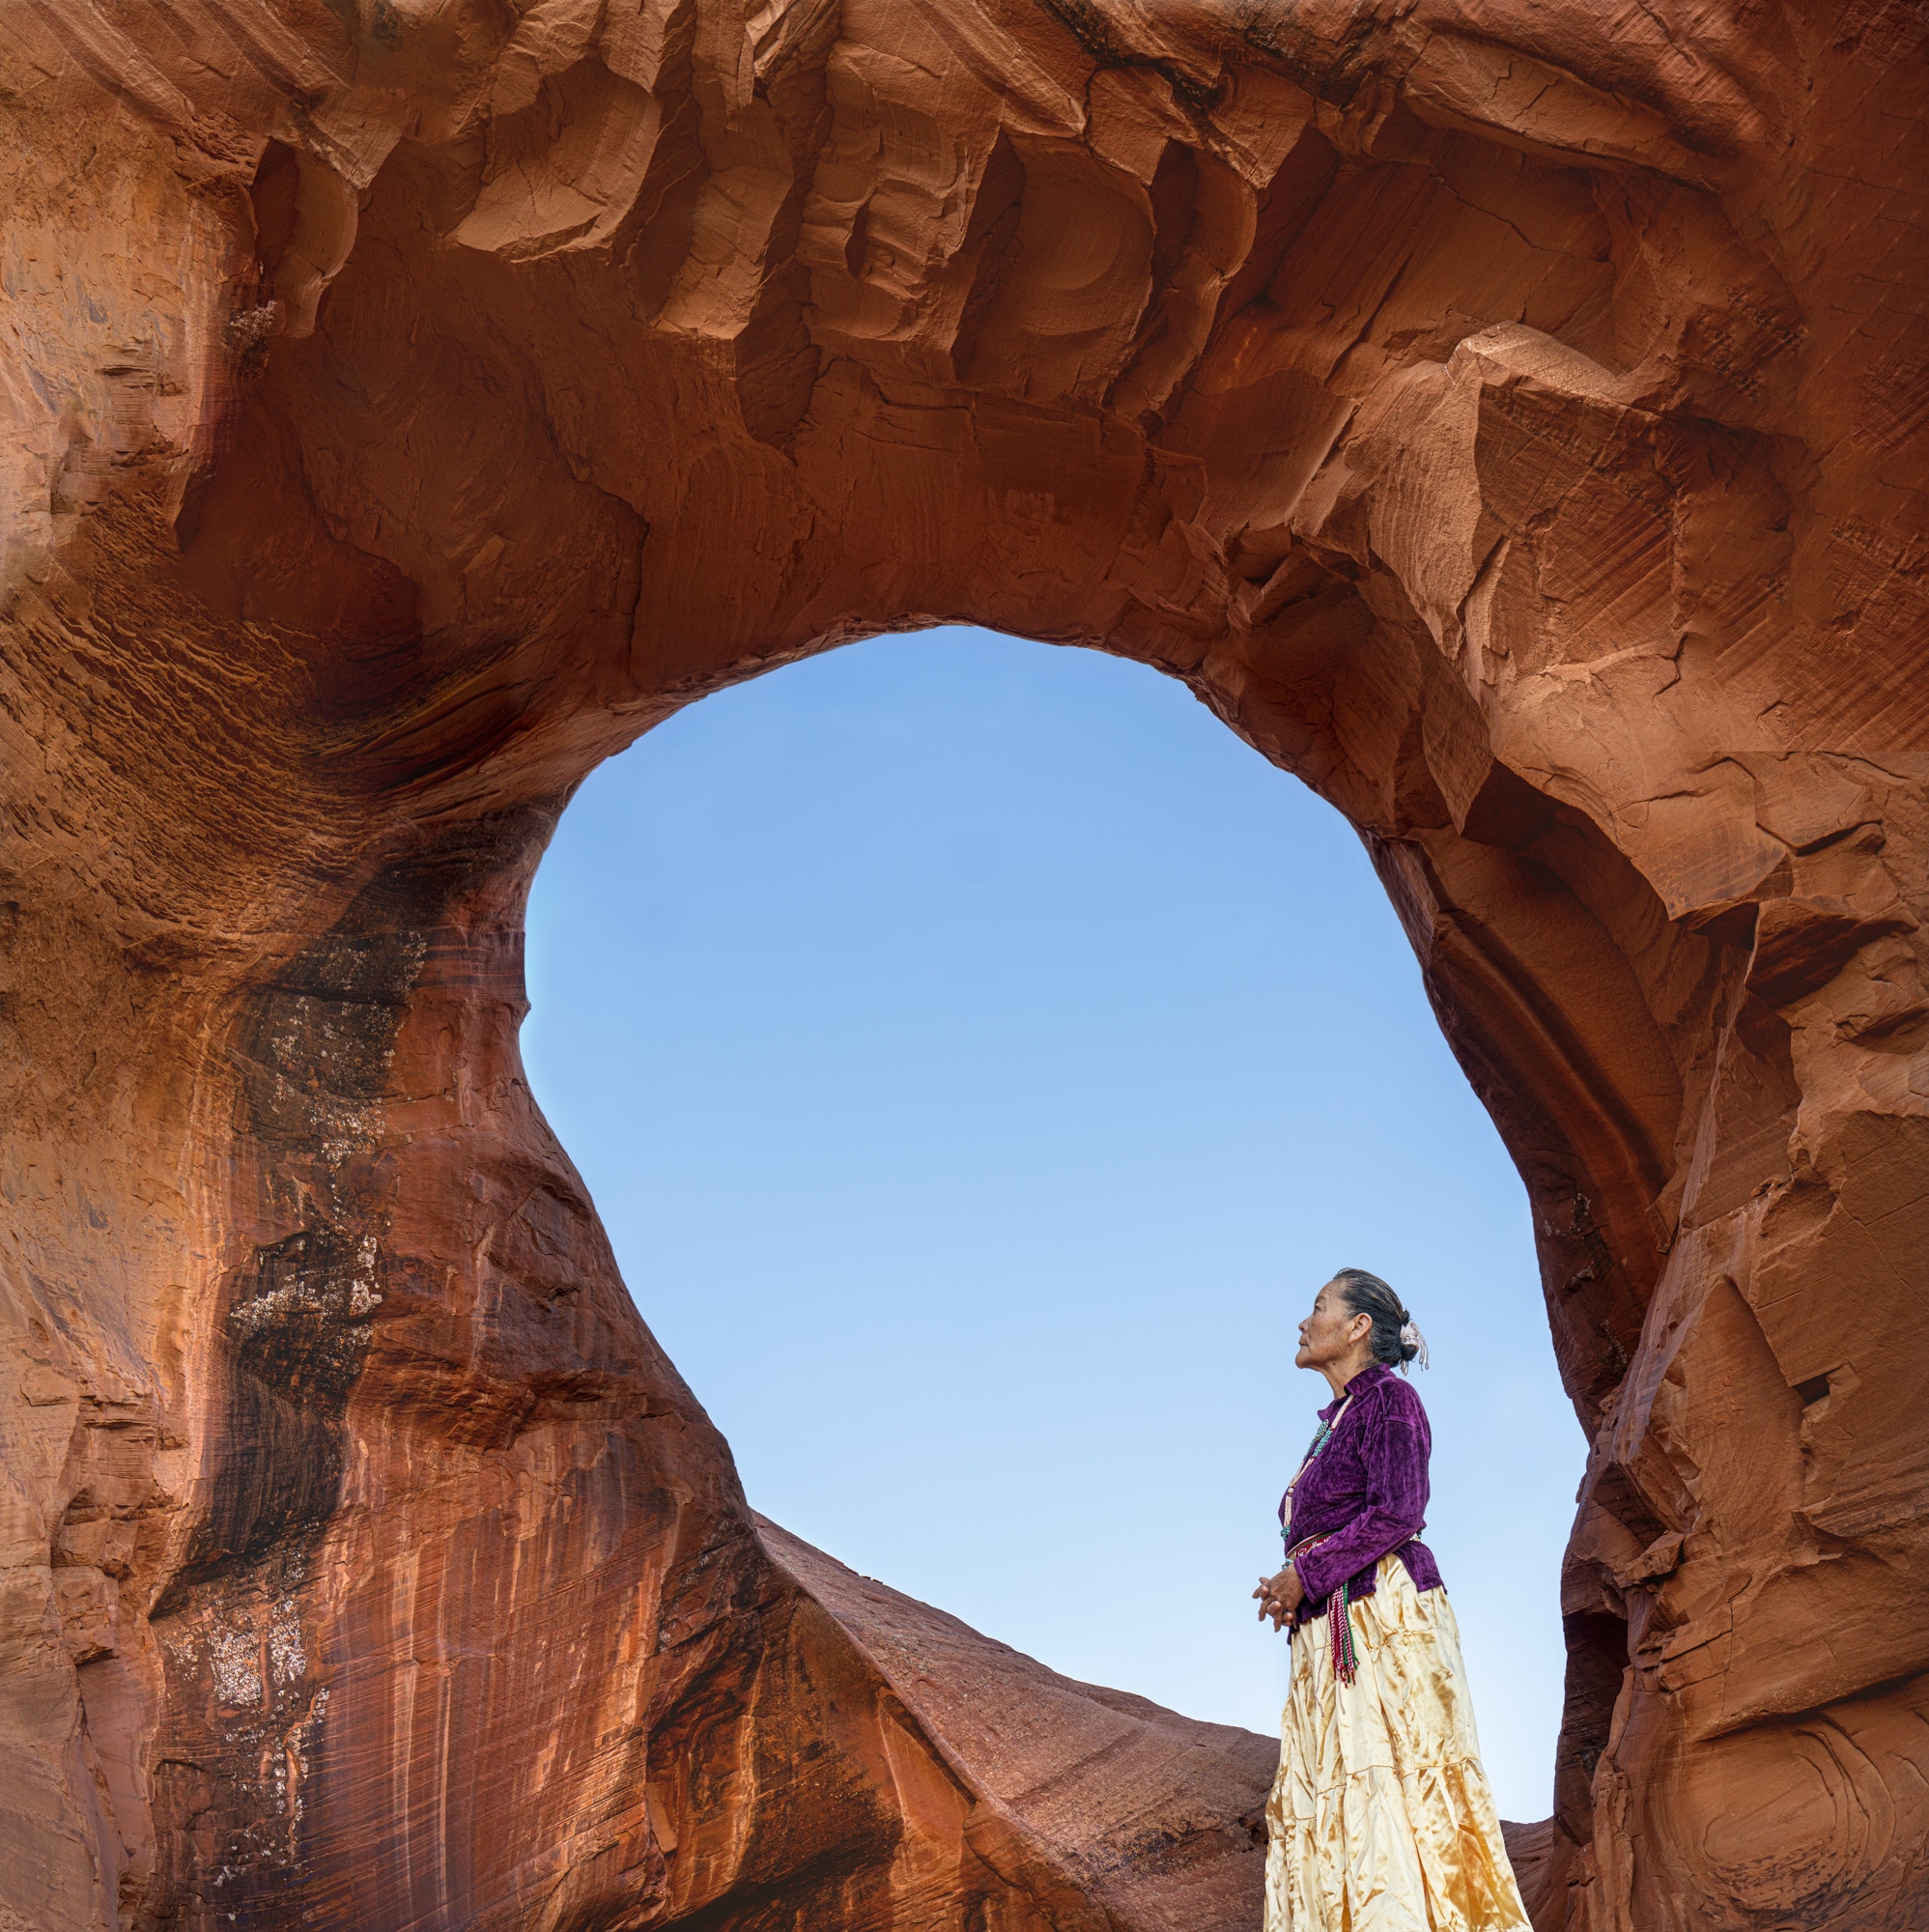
x,y
1507,416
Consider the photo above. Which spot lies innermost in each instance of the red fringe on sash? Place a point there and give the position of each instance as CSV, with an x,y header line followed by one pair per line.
x,y
1339,1625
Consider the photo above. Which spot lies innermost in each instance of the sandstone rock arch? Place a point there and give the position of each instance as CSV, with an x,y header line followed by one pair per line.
x,y
1507,417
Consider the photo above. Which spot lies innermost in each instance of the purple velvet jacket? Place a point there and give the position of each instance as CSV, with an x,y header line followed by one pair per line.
x,y
1366,1492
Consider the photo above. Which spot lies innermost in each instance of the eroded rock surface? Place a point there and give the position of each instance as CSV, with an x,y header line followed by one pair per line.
x,y
1507,416
1120,1813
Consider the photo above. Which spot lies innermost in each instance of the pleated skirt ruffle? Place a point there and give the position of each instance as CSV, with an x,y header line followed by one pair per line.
x,y
1380,1819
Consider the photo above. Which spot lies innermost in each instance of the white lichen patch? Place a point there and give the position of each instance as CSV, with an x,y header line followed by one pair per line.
x,y
363,1294
319,1292
234,1660
348,1130
271,1310
286,1658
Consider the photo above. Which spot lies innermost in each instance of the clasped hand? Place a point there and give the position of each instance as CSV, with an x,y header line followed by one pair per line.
x,y
1280,1596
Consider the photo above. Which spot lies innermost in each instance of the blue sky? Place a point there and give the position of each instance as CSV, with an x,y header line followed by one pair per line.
x,y
979,1057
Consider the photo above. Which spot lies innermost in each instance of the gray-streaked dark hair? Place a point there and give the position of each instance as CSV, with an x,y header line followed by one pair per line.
x,y
1367,1295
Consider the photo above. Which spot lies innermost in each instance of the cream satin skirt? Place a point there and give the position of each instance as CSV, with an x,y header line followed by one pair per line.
x,y
1380,1819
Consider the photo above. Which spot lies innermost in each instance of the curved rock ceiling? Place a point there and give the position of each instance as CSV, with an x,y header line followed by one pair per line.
x,y
1508,416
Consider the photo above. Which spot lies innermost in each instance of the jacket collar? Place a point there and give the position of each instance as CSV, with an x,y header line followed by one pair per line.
x,y
1368,1378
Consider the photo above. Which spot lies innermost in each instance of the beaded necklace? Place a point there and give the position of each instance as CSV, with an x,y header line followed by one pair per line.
x,y
1339,1624
1320,1442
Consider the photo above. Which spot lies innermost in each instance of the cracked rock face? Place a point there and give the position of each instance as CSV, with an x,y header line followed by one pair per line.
x,y
1507,415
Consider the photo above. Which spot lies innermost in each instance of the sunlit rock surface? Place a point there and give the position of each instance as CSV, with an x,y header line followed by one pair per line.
x,y
1507,416
1105,1808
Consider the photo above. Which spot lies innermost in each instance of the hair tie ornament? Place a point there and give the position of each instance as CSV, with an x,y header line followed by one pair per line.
x,y
1410,1337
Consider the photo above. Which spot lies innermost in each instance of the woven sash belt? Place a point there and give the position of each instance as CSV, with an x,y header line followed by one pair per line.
x,y
1339,1626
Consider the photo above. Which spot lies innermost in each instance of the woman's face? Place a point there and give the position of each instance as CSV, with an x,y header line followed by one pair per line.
x,y
1331,1332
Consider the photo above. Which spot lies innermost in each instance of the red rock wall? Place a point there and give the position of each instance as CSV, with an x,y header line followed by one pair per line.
x,y
1509,417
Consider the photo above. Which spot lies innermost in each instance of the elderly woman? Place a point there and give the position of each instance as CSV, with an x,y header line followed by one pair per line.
x,y
1380,1819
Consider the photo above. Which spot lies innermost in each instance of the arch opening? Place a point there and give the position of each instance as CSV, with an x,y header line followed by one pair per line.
x,y
975,1055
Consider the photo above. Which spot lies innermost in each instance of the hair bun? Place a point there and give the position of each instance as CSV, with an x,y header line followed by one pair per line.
x,y
1394,1339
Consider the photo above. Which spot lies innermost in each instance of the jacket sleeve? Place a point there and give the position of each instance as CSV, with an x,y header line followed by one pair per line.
x,y
1394,1448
